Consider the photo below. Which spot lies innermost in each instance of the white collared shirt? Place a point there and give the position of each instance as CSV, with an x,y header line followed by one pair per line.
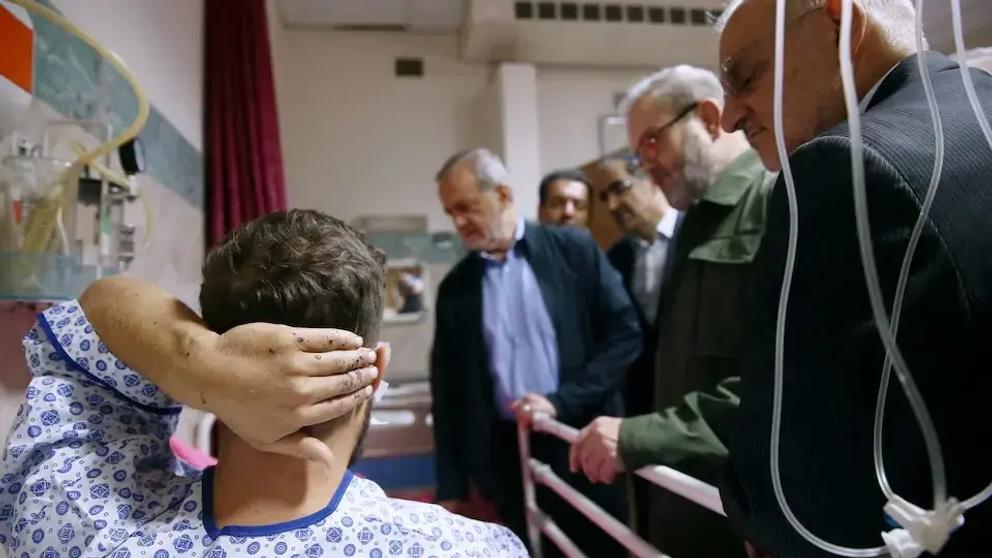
x,y
518,235
649,266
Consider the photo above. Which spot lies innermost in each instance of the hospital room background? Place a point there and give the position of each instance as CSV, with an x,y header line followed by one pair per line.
x,y
370,97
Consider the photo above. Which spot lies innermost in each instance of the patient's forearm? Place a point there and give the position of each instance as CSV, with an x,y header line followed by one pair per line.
x,y
150,330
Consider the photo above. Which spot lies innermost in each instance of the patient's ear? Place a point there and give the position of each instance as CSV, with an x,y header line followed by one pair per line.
x,y
383,352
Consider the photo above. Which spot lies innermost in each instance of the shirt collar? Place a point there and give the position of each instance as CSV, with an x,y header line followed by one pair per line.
x,y
733,182
518,235
666,227
866,100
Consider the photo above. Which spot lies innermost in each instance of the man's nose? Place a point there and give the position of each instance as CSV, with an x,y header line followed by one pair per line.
x,y
733,113
569,209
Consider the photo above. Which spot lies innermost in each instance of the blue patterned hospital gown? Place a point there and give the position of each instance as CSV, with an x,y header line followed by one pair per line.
x,y
87,471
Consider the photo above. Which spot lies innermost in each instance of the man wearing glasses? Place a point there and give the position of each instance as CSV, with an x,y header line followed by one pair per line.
x,y
833,356
673,123
642,212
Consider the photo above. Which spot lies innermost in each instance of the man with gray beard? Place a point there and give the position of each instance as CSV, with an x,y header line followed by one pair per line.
x,y
673,124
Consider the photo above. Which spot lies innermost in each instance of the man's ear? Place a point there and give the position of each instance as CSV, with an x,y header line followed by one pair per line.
x,y
504,193
383,353
709,113
859,26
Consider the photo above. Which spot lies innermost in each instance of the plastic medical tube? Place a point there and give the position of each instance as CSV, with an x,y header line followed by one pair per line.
x,y
871,276
783,306
907,261
116,62
983,123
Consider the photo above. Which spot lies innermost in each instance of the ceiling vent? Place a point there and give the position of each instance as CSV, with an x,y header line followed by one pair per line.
x,y
609,32
424,16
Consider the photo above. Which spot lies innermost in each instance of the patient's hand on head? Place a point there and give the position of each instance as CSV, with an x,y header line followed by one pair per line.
x,y
266,382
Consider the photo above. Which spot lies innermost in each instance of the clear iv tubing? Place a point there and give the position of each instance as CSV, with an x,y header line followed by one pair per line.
x,y
907,261
867,255
783,305
117,63
983,123
918,229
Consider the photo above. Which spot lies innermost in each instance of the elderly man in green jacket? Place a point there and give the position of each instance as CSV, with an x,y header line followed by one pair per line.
x,y
673,122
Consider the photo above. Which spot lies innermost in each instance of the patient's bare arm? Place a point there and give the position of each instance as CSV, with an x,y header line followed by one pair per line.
x,y
265,382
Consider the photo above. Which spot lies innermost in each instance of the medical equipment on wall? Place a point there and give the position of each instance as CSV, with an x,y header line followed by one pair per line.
x,y
922,530
46,187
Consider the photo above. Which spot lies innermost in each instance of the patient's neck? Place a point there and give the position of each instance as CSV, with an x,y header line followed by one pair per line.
x,y
252,487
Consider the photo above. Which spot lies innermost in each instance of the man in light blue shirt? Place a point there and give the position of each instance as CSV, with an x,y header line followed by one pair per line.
x,y
534,317
523,351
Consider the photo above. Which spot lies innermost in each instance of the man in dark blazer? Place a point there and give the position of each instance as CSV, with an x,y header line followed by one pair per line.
x,y
641,210
833,354
534,316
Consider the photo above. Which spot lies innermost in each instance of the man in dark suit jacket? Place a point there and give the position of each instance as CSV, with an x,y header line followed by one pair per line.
x,y
833,355
642,212
535,316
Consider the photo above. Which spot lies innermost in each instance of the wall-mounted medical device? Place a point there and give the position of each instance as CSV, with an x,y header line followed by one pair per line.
x,y
63,201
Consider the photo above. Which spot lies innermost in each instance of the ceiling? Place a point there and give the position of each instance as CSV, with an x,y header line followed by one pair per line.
x,y
447,15
404,15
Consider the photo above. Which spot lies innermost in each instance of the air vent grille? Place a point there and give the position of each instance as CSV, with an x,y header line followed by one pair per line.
x,y
613,12
409,67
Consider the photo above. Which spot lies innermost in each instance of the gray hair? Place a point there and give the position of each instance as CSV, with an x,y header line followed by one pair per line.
x,y
896,19
677,86
488,168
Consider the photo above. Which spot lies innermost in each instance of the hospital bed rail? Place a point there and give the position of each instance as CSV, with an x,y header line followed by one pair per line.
x,y
534,471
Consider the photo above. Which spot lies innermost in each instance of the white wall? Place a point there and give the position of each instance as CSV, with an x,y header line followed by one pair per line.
x,y
162,43
356,139
517,91
570,100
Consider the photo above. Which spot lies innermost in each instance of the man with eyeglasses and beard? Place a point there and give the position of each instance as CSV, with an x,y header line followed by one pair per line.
x,y
673,124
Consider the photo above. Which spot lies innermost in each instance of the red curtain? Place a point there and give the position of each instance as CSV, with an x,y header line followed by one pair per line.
x,y
243,155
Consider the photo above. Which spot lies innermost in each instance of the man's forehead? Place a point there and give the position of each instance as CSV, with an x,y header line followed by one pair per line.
x,y
751,22
562,184
615,169
646,110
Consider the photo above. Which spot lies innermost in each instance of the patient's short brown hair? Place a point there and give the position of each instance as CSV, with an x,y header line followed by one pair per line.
x,y
299,268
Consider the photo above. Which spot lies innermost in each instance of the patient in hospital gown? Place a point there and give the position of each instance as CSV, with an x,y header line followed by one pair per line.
x,y
87,472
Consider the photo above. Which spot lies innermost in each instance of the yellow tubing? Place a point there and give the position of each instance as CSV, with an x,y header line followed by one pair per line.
x,y
139,92
40,228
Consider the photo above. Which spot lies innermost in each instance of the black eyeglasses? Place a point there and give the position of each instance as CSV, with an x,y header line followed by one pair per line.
x,y
615,188
647,148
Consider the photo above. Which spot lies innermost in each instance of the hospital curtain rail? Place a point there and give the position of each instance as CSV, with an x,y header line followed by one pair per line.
x,y
538,522
242,150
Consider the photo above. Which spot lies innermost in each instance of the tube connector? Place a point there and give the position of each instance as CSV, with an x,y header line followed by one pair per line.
x,y
922,530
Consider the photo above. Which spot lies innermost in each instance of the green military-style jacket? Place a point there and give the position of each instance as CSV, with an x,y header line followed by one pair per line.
x,y
706,299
